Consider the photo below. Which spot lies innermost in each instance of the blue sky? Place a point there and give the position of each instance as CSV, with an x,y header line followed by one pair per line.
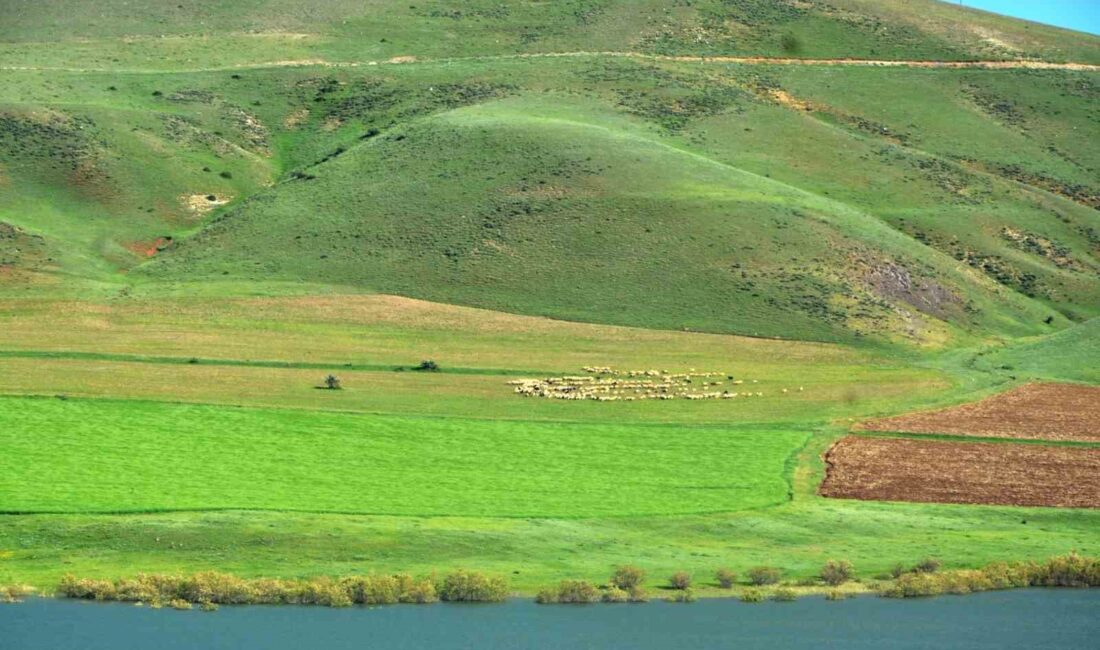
x,y
1082,15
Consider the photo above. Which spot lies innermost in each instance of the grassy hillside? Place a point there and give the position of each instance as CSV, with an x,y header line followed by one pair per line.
x,y
207,207
666,195
164,34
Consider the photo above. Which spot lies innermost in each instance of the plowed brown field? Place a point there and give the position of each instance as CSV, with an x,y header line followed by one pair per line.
x,y
1034,411
904,469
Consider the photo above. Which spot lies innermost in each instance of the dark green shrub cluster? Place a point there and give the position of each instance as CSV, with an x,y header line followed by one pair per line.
x,y
471,587
764,575
570,592
836,573
1063,571
725,578
212,588
680,580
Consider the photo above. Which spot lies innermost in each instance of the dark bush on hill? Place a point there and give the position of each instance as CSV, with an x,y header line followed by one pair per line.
x,y
764,575
427,365
628,577
725,578
928,565
680,580
836,573
332,382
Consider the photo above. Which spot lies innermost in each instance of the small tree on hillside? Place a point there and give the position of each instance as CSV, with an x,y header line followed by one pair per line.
x,y
332,382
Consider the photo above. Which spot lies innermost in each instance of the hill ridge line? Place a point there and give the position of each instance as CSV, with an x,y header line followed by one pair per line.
x,y
740,60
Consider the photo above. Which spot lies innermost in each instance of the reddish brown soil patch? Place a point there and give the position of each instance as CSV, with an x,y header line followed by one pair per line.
x,y
1034,411
932,471
147,248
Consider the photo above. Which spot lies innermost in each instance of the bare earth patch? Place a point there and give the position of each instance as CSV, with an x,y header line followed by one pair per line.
x,y
1033,411
930,471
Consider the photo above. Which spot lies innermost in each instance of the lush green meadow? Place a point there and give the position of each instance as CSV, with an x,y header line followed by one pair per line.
x,y
207,208
92,456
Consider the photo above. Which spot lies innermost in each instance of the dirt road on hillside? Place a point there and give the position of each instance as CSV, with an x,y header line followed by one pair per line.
x,y
737,60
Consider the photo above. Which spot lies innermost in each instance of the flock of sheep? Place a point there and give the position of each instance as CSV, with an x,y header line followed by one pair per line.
x,y
604,384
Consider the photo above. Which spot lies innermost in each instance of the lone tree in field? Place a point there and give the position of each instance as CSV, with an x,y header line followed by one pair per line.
x,y
332,382
428,365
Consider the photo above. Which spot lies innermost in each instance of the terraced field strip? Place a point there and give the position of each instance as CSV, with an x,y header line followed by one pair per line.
x,y
86,456
1068,412
932,471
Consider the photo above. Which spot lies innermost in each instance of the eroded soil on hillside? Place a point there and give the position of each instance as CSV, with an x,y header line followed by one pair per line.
x,y
1034,411
929,471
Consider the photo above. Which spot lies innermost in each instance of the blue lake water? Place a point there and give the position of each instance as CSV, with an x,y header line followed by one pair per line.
x,y
1030,618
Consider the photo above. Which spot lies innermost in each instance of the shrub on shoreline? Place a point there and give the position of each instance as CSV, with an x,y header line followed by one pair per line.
x,y
1071,570
784,595
570,592
685,595
472,587
223,589
751,596
836,573
14,593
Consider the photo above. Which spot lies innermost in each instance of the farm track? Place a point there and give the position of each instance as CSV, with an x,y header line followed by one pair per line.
x,y
737,60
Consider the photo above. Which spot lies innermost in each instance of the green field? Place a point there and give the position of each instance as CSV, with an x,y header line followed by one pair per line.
x,y
207,208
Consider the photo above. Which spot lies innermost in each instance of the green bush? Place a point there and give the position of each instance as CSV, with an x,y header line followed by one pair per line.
x,y
546,596
784,595
751,596
570,592
471,587
725,578
680,580
764,575
638,594
836,573
627,577
1070,570
615,595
